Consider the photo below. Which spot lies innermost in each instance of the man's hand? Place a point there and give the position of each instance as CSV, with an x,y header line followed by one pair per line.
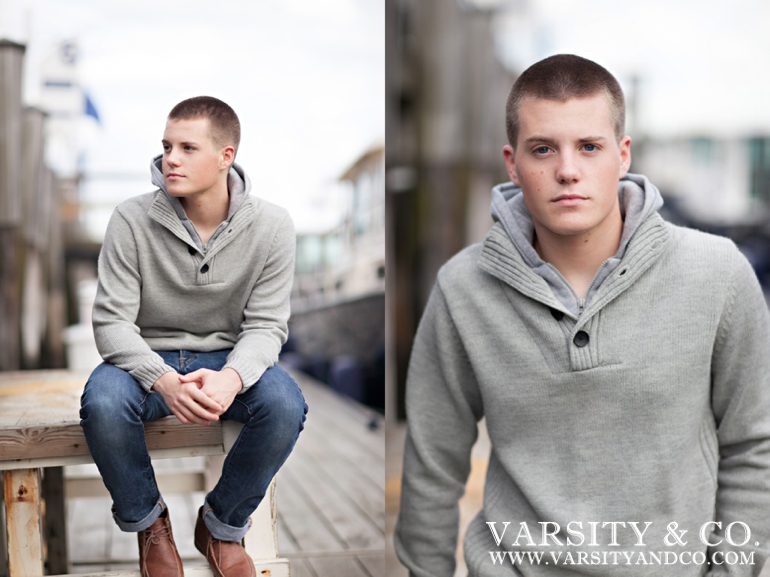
x,y
186,400
219,386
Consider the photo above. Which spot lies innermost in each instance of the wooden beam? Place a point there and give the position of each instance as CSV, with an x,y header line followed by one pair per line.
x,y
168,483
22,509
55,520
271,568
68,440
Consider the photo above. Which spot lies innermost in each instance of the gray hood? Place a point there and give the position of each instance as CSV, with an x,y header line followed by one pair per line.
x,y
639,198
238,185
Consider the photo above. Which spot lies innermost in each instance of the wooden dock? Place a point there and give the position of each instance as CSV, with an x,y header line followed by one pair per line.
x,y
331,500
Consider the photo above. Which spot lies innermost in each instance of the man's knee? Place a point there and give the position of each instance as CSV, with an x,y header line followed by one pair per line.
x,y
109,393
281,397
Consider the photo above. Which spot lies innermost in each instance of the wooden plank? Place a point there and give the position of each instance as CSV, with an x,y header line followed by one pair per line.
x,y
346,473
35,442
301,568
303,520
356,530
22,506
373,562
168,483
275,568
338,566
35,425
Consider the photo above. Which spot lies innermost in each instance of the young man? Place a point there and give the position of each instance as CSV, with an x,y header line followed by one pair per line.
x,y
622,365
190,315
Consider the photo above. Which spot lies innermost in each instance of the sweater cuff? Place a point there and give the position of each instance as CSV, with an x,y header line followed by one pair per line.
x,y
147,374
249,372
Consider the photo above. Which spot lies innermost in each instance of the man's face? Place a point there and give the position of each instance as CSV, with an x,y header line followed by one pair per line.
x,y
568,163
192,163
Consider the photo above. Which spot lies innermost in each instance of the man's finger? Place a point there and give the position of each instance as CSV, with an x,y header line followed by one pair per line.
x,y
199,410
190,377
187,417
204,400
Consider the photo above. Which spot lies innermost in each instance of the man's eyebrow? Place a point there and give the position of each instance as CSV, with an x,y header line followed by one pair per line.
x,y
538,139
592,138
183,143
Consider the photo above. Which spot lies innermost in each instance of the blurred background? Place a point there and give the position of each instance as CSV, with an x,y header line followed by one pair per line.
x,y
85,88
696,81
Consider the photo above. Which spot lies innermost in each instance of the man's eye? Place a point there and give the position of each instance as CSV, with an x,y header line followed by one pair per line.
x,y
541,150
589,147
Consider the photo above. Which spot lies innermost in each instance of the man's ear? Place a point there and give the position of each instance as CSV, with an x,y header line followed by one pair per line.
x,y
625,155
227,157
510,163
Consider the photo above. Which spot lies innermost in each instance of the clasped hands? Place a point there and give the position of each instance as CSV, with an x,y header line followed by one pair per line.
x,y
199,397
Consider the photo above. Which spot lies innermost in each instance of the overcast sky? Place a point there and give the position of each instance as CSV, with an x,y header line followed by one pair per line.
x,y
703,65
305,77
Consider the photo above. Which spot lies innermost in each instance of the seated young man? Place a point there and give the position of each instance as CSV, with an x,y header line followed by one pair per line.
x,y
622,365
190,315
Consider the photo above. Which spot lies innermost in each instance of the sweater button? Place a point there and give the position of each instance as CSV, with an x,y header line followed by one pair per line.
x,y
205,269
558,315
581,339
191,250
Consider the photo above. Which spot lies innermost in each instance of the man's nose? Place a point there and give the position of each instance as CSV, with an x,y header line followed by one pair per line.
x,y
172,158
567,170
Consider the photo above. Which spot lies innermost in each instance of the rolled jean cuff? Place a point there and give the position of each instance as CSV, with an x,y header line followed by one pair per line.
x,y
220,530
144,523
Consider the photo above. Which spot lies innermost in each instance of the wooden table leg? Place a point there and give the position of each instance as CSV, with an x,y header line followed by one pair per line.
x,y
22,510
54,527
3,540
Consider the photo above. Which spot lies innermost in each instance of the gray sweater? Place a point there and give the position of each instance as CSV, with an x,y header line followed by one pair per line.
x,y
652,404
160,288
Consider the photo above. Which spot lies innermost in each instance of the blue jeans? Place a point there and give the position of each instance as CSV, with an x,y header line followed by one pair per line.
x,y
114,408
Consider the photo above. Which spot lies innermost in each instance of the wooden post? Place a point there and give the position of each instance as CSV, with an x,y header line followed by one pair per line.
x,y
57,298
11,60
55,526
3,539
35,229
22,509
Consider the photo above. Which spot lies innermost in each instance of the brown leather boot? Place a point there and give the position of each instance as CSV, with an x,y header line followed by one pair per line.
x,y
158,556
226,558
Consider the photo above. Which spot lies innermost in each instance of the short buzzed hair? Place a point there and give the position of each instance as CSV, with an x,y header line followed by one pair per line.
x,y
224,123
562,77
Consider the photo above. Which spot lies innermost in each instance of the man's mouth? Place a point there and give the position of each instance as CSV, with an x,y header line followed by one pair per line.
x,y
569,199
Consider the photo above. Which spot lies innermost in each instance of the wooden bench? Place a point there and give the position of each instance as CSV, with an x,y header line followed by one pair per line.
x,y
40,428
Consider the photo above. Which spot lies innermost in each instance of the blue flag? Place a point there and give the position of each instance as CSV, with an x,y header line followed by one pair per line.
x,y
91,109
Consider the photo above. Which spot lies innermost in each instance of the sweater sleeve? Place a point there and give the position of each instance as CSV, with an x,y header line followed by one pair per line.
x,y
116,307
443,406
265,321
741,405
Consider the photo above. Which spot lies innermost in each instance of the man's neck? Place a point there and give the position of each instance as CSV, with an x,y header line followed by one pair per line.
x,y
208,209
578,257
